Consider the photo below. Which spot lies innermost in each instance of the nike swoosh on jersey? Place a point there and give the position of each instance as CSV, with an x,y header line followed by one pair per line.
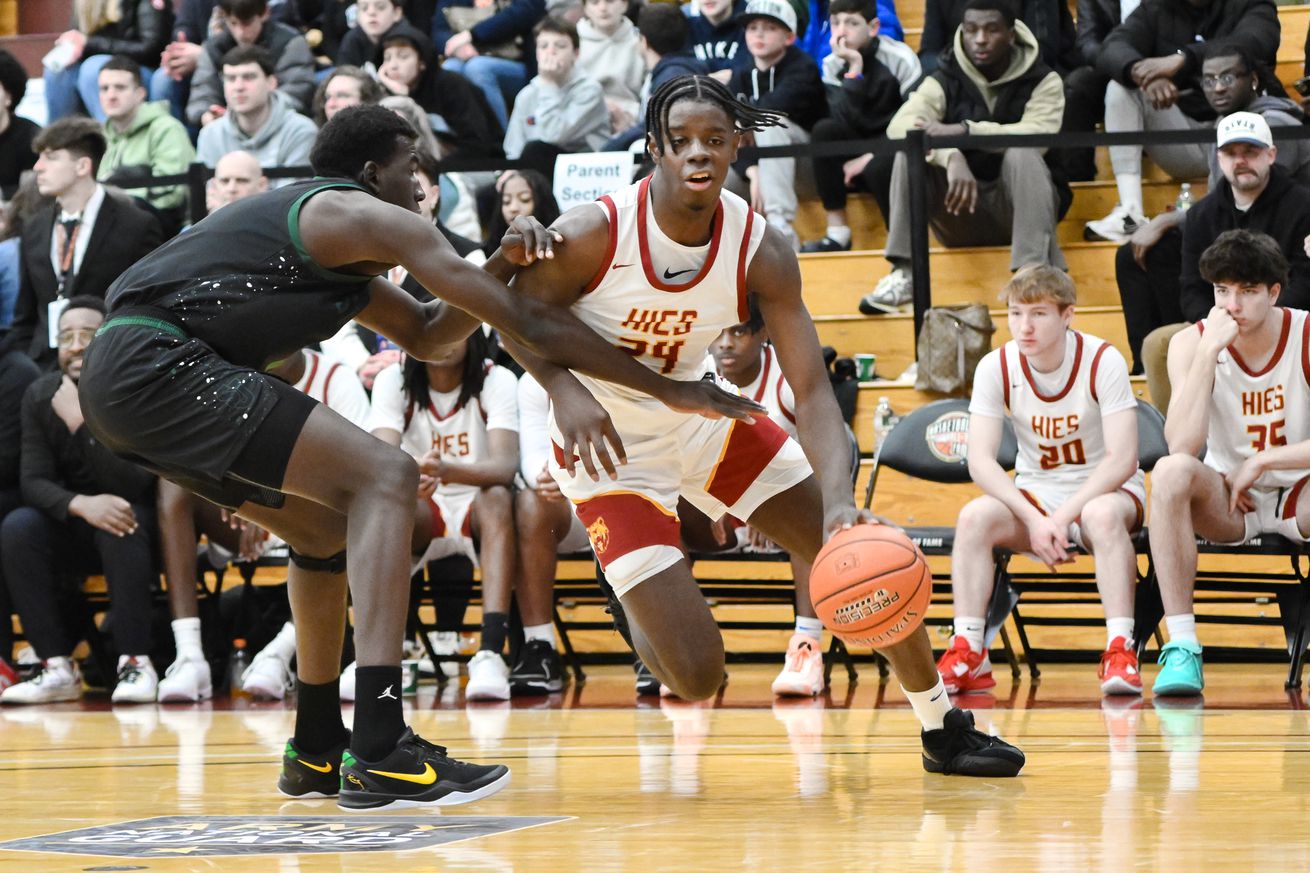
x,y
620,266
427,777
668,275
326,768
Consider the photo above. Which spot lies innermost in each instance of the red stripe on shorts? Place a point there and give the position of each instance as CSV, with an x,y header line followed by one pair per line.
x,y
746,453
623,521
1289,507
438,520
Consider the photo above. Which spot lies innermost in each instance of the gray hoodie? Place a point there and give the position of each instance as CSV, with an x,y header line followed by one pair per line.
x,y
1293,154
615,61
572,116
284,140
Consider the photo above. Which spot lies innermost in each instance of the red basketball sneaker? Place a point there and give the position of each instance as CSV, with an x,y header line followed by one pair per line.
x,y
1118,671
964,670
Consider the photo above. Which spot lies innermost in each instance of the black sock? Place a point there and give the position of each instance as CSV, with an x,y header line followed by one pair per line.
x,y
495,628
318,716
379,721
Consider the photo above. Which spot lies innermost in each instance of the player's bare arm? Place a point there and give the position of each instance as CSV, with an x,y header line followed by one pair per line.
x,y
1115,468
775,278
1048,541
1193,357
499,467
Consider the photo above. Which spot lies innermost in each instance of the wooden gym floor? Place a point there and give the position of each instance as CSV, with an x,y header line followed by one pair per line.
x,y
744,784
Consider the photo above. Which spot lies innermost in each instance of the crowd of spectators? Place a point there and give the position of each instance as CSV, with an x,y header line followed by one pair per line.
x,y
137,90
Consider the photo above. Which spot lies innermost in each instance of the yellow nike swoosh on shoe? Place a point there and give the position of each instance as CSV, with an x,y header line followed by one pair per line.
x,y
326,768
427,777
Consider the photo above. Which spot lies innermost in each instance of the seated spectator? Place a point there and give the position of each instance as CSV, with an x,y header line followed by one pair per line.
x,y
994,82
237,175
662,32
87,511
609,53
1254,193
103,28
259,118
776,75
562,110
866,78
16,132
1154,59
79,242
816,41
344,87
142,139
1050,23
246,24
1084,85
407,109
491,45
362,42
459,114
520,192
547,527
461,412
718,37
16,373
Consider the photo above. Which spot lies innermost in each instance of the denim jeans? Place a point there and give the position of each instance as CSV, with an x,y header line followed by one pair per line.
x,y
495,78
78,86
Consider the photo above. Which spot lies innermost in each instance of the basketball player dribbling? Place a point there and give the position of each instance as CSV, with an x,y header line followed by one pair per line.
x,y
174,381
1072,407
659,269
1241,382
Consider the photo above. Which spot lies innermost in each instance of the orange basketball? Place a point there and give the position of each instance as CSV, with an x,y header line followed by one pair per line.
x,y
870,585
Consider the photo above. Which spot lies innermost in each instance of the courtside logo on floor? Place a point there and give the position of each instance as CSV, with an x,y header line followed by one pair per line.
x,y
193,836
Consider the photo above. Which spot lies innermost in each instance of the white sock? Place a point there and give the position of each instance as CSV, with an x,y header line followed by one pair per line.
x,y
1130,191
1118,627
972,629
930,706
186,635
284,644
544,632
1182,628
811,627
839,233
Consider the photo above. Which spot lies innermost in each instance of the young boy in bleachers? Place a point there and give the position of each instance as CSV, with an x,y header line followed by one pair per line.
x,y
1068,397
610,53
778,76
372,19
717,35
866,78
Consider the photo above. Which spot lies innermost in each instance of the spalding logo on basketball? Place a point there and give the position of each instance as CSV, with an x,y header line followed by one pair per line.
x,y
871,586
948,438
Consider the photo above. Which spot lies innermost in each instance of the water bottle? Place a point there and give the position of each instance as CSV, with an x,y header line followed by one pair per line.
x,y
237,663
58,58
1184,201
883,420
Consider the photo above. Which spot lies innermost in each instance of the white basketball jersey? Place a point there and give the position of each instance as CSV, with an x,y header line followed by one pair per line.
x,y
336,387
648,302
1253,410
770,390
1060,435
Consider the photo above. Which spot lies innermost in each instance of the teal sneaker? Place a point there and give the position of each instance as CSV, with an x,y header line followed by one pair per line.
x,y
1180,673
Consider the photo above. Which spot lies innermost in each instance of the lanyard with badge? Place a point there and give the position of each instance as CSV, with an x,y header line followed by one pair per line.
x,y
71,228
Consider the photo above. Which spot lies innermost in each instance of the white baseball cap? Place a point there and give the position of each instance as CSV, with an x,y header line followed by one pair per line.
x,y
779,10
1245,127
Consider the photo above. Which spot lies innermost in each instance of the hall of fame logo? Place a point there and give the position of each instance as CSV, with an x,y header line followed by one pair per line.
x,y
948,438
194,836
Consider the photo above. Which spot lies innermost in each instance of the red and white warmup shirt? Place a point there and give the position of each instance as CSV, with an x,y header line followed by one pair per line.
x,y
335,386
772,391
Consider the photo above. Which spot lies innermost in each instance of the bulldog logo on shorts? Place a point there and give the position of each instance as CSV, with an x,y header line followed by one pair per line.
x,y
599,534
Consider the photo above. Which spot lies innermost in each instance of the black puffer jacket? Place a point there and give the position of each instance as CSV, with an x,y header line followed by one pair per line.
x,y
1159,28
1096,18
141,33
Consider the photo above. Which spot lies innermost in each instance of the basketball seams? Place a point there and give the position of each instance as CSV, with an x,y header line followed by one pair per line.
x,y
846,598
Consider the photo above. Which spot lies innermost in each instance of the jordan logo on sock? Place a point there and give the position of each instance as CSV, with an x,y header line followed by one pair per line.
x,y
386,694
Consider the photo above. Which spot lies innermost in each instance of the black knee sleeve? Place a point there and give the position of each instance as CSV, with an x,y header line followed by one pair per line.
x,y
334,564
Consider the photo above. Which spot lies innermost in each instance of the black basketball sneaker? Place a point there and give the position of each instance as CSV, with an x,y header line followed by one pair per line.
x,y
305,775
416,773
538,671
960,749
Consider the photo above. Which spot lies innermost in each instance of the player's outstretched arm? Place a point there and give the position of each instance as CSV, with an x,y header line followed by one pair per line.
x,y
775,279
1192,360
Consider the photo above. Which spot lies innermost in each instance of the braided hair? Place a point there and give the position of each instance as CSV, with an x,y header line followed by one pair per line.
x,y
703,89
415,384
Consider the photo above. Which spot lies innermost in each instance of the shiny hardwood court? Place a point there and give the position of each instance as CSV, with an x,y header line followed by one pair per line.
x,y
740,784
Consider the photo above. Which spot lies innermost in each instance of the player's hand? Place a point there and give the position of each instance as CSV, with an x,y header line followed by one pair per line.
x,y
427,486
705,397
434,466
547,488
720,530
1239,483
854,167
65,404
250,547
586,427
1145,238
1220,331
107,512
1161,93
961,186
528,240
1048,541
368,371
846,516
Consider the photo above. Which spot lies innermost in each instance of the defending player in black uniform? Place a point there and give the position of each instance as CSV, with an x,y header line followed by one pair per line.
x,y
174,382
